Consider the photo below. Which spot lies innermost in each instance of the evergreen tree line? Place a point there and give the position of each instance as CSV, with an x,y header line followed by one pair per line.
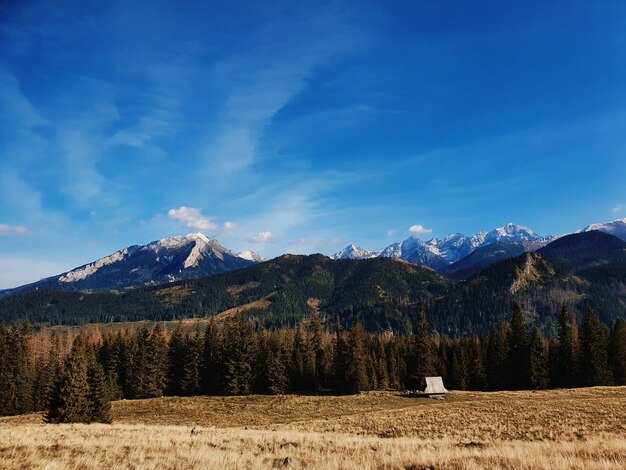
x,y
237,357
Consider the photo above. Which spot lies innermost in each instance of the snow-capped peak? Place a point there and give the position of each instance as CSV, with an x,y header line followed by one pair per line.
x,y
251,256
508,232
354,252
198,236
616,228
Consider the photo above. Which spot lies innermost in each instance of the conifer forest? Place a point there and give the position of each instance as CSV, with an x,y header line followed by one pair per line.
x,y
76,382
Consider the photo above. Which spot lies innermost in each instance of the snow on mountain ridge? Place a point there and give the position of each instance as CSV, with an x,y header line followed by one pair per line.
x,y
354,252
251,256
146,260
617,228
84,272
439,252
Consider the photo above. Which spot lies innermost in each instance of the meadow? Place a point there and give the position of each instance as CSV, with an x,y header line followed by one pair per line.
x,y
576,428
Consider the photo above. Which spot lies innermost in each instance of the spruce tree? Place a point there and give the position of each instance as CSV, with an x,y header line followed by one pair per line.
x,y
393,366
190,380
382,372
567,354
357,379
211,361
496,361
341,359
69,401
617,351
277,377
176,360
99,397
422,360
319,354
593,351
155,365
47,372
538,372
238,340
476,369
16,371
299,379
457,369
518,351
6,375
109,357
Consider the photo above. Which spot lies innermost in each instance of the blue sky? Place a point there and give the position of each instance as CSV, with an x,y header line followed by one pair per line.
x,y
302,126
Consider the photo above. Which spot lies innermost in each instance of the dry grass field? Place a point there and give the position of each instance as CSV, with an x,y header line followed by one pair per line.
x,y
582,428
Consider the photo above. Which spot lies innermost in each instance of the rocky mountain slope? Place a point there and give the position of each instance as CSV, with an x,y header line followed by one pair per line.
x,y
189,257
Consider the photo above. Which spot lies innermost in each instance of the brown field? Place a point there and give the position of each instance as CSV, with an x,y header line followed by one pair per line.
x,y
581,428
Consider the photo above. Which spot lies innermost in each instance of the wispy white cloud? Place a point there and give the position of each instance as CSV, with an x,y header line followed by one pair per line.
x,y
619,208
12,230
261,237
230,225
15,108
391,232
192,217
420,229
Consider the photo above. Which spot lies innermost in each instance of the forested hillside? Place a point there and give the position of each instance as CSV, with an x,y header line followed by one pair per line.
x,y
586,270
277,292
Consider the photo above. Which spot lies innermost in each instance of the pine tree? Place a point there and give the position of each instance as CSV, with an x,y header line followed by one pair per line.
x,y
393,366
422,359
238,342
190,380
340,360
300,380
593,351
176,360
16,371
518,351
477,374
278,379
538,373
567,353
317,349
155,363
381,364
6,375
357,380
617,350
211,361
496,360
46,374
69,401
109,357
132,358
458,370
99,397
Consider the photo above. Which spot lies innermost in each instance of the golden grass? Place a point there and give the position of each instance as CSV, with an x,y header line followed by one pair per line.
x,y
231,312
583,428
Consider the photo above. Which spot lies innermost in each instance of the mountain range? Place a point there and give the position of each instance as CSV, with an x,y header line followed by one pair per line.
x,y
460,256
439,253
585,270
159,262
457,256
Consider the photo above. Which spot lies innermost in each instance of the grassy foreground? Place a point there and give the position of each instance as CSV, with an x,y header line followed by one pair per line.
x,y
581,428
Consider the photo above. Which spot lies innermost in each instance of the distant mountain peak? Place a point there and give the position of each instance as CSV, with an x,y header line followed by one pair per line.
x,y
354,252
617,228
169,259
252,256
